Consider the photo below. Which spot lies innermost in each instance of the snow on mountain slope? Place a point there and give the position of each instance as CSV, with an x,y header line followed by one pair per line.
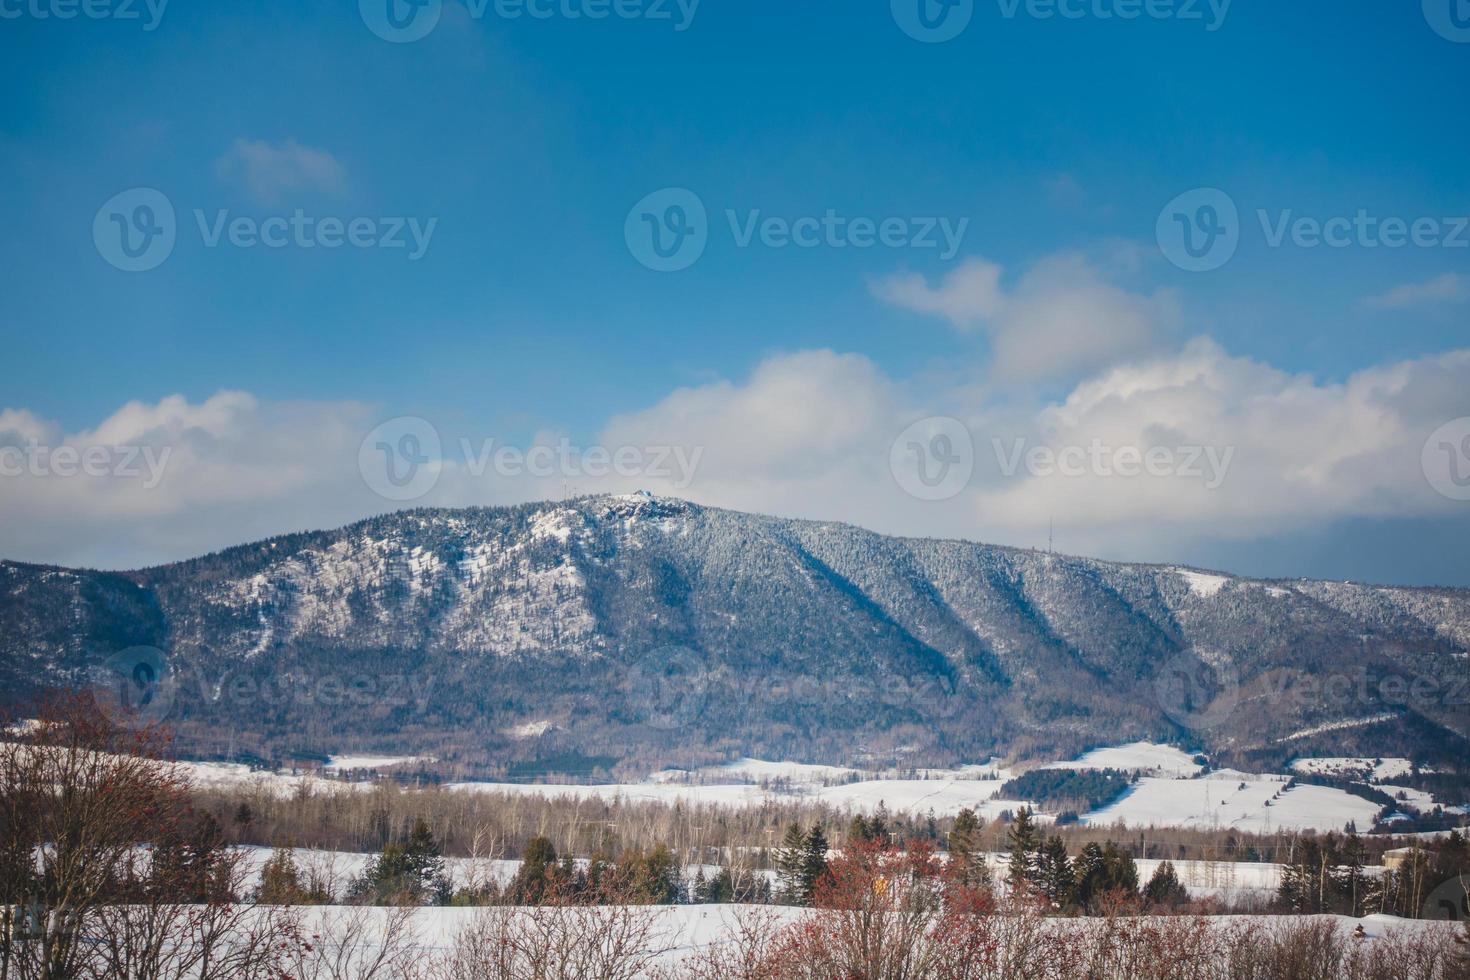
x,y
663,629
1372,770
1201,584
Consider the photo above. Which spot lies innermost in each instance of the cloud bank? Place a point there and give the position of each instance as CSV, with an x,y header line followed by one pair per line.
x,y
807,434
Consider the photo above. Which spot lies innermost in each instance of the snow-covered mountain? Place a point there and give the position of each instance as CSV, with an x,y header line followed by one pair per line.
x,y
653,630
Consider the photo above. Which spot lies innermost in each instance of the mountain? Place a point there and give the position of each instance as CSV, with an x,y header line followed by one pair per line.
x,y
636,631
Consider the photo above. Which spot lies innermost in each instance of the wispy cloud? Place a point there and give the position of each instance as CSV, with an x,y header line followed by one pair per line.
x,y
1064,191
1063,317
270,172
1448,288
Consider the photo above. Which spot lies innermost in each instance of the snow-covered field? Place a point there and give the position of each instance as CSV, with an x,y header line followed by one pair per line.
x,y
684,930
945,796
337,869
1171,791
233,775
349,763
1259,804
1144,757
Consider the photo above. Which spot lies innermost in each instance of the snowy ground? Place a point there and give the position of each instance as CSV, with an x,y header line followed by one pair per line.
x,y
337,869
1145,757
348,763
944,796
1371,770
1259,804
686,929
1170,792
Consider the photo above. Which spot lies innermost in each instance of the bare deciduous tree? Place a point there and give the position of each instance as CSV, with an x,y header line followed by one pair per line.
x,y
77,796
563,938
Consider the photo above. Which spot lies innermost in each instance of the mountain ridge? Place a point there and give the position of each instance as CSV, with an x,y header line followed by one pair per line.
x,y
677,632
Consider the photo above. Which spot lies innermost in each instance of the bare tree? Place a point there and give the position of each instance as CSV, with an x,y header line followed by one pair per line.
x,y
77,796
165,929
560,939
357,943
746,952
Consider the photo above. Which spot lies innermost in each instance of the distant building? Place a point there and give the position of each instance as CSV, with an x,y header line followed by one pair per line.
x,y
1399,856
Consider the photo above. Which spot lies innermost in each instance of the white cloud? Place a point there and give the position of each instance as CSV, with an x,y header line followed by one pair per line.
x,y
965,297
177,478
270,172
1448,288
807,434
1302,453
1276,452
18,426
1062,318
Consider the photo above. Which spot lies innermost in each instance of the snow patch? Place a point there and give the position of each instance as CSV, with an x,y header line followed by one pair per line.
x,y
1372,770
531,729
1163,760
347,763
1201,584
1336,726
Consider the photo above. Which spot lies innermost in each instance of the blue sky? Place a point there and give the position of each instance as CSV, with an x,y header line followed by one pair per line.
x,y
528,140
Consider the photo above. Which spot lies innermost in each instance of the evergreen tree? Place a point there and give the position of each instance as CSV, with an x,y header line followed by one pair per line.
x,y
721,889
1089,874
654,876
699,888
388,879
966,860
1103,870
1054,872
1121,870
1164,888
599,869
1350,881
879,830
1306,879
538,865
814,862
1025,842
425,865
280,881
791,866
